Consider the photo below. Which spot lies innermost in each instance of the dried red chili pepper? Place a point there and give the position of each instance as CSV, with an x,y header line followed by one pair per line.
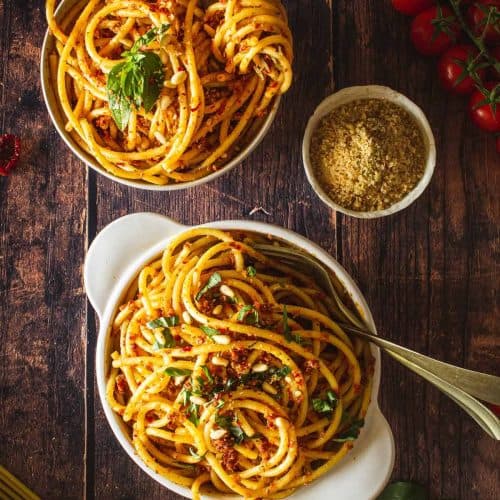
x,y
10,150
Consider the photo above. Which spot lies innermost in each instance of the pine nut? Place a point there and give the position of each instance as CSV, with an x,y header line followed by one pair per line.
x,y
297,394
225,290
179,380
217,434
259,367
288,380
197,400
217,310
186,318
219,361
222,339
178,78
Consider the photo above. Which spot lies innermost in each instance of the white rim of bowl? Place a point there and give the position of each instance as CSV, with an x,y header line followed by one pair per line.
x,y
52,105
350,94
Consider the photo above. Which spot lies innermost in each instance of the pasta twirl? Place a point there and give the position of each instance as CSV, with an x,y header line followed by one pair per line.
x,y
232,372
223,65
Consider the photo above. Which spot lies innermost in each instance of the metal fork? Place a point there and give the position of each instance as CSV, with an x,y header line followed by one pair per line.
x,y
460,384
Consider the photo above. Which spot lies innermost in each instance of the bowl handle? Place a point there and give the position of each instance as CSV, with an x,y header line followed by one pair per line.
x,y
116,247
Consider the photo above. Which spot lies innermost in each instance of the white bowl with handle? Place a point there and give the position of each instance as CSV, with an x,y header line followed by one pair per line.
x,y
113,262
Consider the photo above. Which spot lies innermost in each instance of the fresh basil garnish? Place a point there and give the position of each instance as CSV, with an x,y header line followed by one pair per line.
x,y
351,433
137,81
325,405
177,372
212,282
164,322
209,331
251,271
249,315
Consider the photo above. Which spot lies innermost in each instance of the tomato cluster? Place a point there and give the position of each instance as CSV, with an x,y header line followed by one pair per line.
x,y
465,35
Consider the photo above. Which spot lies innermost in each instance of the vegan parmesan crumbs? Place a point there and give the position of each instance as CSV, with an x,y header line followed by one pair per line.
x,y
368,154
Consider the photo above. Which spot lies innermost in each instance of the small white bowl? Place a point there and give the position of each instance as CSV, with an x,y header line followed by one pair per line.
x,y
113,262
248,142
370,92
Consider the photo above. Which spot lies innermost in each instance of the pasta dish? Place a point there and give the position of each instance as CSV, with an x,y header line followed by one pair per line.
x,y
231,371
168,91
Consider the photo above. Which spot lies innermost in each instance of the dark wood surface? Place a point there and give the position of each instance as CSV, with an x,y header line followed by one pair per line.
x,y
430,273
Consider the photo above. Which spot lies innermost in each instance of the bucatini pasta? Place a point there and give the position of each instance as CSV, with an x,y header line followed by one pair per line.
x,y
222,66
232,372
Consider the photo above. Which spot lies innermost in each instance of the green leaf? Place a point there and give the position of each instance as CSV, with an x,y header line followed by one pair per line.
x,y
207,373
163,322
227,422
223,421
209,331
251,271
325,405
350,434
177,372
249,315
152,80
193,414
286,327
212,282
403,491
148,37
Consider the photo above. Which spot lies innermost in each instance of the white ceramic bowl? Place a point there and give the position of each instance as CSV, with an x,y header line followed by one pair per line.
x,y
113,261
247,143
370,92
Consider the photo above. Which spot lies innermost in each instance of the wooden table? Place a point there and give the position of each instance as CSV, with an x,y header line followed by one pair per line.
x,y
429,273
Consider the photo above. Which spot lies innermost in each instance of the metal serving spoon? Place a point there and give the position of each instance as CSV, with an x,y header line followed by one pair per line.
x,y
460,384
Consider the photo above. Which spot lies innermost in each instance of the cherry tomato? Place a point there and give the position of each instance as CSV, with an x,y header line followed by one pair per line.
x,y
481,108
455,67
477,16
434,30
412,7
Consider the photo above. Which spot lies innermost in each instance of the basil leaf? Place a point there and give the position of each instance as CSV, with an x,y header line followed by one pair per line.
x,y
207,373
403,491
212,282
152,79
237,433
325,405
223,421
119,104
163,322
249,315
209,331
177,372
251,271
286,327
193,414
350,434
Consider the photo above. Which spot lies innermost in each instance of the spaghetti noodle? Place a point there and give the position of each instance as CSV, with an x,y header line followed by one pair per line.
x,y
223,65
232,372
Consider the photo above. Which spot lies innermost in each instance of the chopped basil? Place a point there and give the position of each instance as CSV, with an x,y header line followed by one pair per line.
x,y
251,271
193,413
163,322
209,331
325,405
249,315
351,433
207,373
226,422
212,282
286,326
177,372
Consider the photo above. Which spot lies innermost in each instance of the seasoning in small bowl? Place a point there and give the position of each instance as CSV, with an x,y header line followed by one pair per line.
x,y
368,155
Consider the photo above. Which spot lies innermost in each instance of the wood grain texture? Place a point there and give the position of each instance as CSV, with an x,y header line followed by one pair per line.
x,y
430,273
42,301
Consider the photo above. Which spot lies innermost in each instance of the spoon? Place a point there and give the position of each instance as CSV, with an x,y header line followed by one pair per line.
x,y
460,384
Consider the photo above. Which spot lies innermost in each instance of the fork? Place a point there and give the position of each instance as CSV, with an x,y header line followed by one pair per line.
x,y
459,384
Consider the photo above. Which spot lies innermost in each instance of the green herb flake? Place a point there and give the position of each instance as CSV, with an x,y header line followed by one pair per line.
x,y
207,373
286,327
251,271
163,322
351,433
209,331
214,280
177,372
249,315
